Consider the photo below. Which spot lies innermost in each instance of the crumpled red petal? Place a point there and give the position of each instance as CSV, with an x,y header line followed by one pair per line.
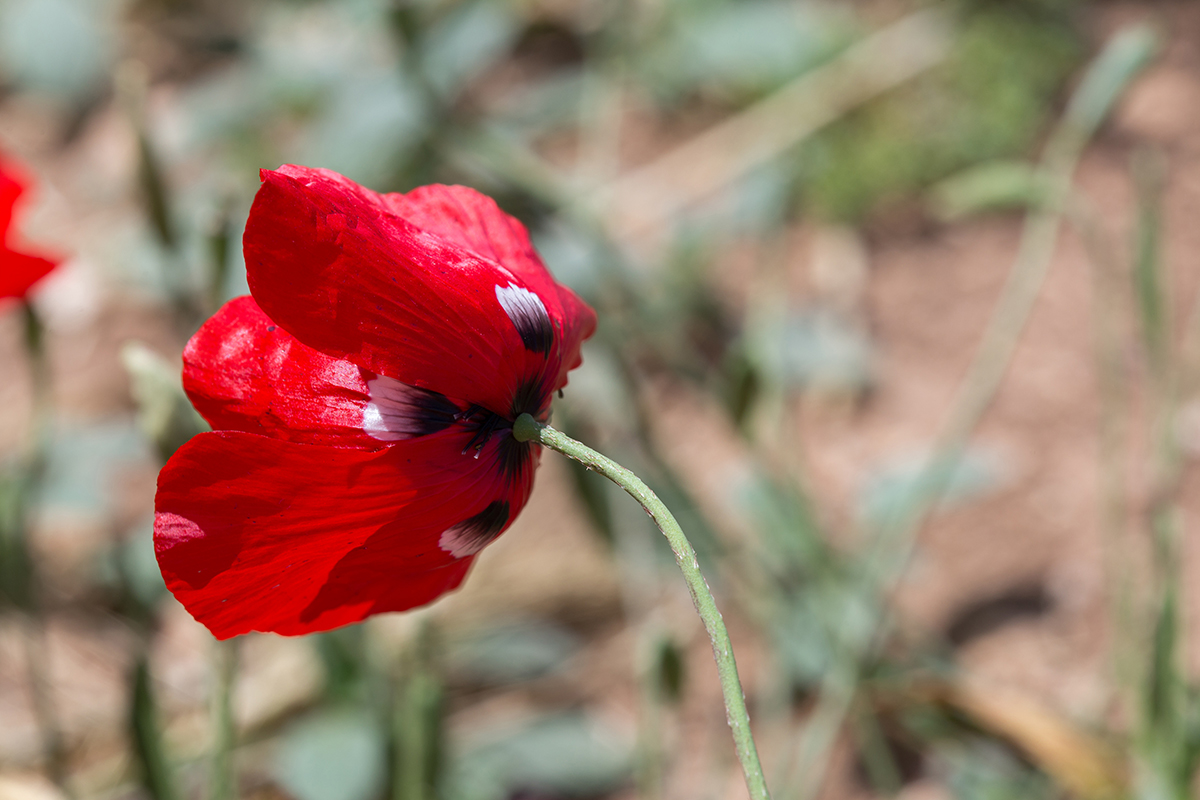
x,y
12,186
19,270
332,263
243,372
257,533
472,220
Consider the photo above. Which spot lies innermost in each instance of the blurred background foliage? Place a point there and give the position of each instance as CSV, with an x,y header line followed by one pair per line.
x,y
645,145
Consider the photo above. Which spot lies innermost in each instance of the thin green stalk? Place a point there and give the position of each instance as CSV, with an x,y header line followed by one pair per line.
x,y
649,752
640,585
222,783
23,575
1109,73
1108,325
882,769
417,723
54,747
526,429
146,731
1166,746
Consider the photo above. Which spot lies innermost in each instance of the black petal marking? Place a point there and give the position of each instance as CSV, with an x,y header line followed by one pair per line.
x,y
484,429
514,458
529,398
511,456
529,317
475,533
399,411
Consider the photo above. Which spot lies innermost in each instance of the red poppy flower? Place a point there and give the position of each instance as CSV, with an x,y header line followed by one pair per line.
x,y
363,399
18,270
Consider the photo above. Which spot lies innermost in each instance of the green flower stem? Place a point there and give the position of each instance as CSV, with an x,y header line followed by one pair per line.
x,y
222,776
23,579
527,429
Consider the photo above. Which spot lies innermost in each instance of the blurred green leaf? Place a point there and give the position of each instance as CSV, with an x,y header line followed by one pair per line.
x,y
755,204
742,387
81,461
221,239
1165,744
60,47
226,108
670,670
155,193
790,532
565,755
467,42
1163,680
811,347
148,746
992,186
510,651
876,753
419,735
576,259
816,604
543,104
816,621
665,482
1148,278
332,755
802,643
343,656
303,52
982,770
1191,745
597,392
1122,58
222,769
890,489
989,100
744,48
16,565
367,127
133,565
165,415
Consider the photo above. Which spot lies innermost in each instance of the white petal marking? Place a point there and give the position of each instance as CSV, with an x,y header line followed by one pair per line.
x,y
460,541
475,533
528,315
399,411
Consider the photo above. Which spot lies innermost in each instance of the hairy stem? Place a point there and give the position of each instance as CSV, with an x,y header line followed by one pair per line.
x,y
526,429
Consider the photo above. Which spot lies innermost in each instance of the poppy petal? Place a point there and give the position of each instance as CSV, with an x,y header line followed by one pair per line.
x,y
258,533
465,217
327,261
12,186
20,271
332,263
243,372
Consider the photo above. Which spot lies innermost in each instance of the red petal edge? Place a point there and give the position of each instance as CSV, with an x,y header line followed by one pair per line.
x,y
19,270
463,216
243,372
259,534
332,263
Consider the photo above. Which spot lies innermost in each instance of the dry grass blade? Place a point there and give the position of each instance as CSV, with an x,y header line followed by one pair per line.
x,y
648,196
1124,55
1079,761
